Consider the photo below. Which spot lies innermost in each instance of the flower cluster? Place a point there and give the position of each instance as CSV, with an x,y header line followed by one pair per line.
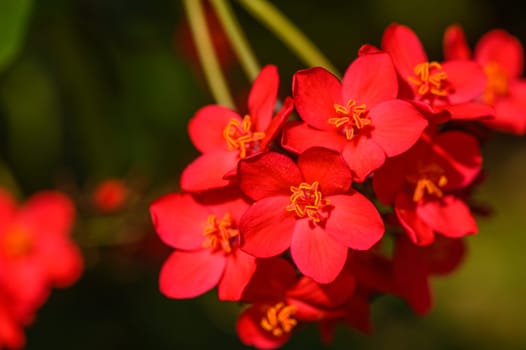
x,y
36,254
365,192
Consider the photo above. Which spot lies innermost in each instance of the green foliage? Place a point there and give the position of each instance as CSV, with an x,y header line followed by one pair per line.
x,y
14,15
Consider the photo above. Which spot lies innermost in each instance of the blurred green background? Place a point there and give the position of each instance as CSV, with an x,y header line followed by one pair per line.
x,y
91,89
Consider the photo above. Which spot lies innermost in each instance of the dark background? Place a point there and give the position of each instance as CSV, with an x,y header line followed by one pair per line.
x,y
104,88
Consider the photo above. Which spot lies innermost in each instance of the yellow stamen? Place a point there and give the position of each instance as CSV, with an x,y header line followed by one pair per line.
x,y
350,118
279,320
306,200
497,83
430,79
239,136
16,242
220,233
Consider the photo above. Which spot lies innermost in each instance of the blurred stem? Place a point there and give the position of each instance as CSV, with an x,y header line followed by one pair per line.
x,y
206,53
285,30
237,38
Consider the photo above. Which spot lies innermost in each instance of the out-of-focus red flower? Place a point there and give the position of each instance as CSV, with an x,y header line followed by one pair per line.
x,y
422,185
502,57
359,117
206,238
11,329
110,195
308,207
224,137
414,265
281,301
36,254
449,87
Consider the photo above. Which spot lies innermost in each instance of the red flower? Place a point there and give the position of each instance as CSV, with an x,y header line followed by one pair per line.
x,y
224,137
281,301
206,240
309,207
421,184
36,252
359,117
414,265
110,195
11,330
435,87
501,55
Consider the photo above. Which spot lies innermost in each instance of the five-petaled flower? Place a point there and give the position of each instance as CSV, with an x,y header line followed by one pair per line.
x,y
309,207
224,137
206,238
359,117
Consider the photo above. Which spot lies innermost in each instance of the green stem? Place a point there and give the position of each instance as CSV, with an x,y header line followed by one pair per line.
x,y
206,53
237,38
284,29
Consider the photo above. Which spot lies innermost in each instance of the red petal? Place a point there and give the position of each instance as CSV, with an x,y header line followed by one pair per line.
x,y
327,167
178,220
238,271
8,208
315,92
389,179
298,137
370,79
270,281
397,125
206,128
190,274
49,212
354,221
467,80
509,117
266,228
317,255
450,216
207,171
252,334
470,111
363,156
455,44
500,47
263,95
417,230
62,261
276,123
268,174
405,49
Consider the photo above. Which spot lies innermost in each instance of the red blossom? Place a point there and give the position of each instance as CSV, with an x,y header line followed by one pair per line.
x,y
36,254
110,195
206,238
359,117
224,137
502,57
435,87
280,302
308,207
421,184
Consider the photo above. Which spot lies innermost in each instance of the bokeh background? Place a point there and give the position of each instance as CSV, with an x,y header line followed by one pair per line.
x,y
92,89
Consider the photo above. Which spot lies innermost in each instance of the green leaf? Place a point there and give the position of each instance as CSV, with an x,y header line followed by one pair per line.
x,y
14,15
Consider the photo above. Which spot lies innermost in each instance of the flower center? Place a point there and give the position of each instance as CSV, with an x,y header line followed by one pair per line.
x,y
430,80
350,118
220,234
497,84
279,320
307,200
16,242
239,136
429,182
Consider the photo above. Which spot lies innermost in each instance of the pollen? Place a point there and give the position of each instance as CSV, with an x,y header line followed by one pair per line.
x,y
350,118
307,201
278,319
239,136
497,83
220,234
430,80
429,182
16,242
